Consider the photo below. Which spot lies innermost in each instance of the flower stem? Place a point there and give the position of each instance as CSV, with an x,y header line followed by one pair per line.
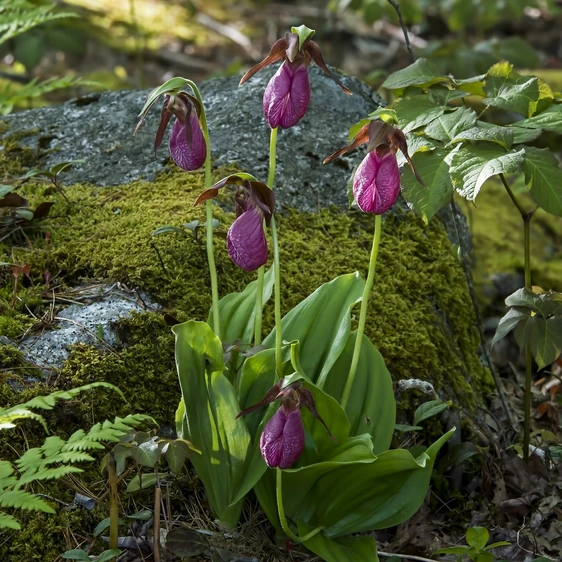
x,y
209,210
281,511
363,313
526,216
276,265
259,307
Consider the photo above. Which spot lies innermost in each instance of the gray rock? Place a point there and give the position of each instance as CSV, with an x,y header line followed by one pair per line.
x,y
91,322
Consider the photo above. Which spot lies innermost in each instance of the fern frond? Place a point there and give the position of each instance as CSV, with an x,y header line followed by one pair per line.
x,y
24,500
19,16
19,413
8,522
47,474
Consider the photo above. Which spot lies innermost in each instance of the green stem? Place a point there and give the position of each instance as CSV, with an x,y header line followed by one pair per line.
x,y
209,210
259,307
363,313
281,511
276,264
526,216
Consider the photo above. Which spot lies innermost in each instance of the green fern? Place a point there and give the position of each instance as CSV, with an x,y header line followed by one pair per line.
x,y
56,457
19,16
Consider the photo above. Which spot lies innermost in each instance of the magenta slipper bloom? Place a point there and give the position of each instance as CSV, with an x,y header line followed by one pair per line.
x,y
376,183
188,154
188,148
282,439
287,94
255,202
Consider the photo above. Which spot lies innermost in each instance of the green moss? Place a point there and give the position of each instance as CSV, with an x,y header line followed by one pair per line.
x,y
497,231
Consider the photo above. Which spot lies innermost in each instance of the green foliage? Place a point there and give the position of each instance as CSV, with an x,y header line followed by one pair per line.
x,y
536,319
56,457
19,16
457,150
476,549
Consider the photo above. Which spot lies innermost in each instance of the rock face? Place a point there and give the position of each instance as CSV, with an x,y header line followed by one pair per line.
x,y
98,129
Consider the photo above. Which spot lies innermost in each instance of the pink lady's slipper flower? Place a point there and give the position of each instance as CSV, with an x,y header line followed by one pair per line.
x,y
282,439
287,94
187,143
254,201
376,184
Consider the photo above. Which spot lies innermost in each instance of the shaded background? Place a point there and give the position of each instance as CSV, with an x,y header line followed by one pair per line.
x,y
115,44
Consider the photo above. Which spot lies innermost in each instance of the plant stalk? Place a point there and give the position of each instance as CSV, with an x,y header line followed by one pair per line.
x,y
209,210
276,264
113,503
363,314
526,216
281,511
157,501
259,307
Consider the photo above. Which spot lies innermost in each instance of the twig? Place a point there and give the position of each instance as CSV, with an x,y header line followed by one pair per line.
x,y
88,331
405,556
159,256
396,7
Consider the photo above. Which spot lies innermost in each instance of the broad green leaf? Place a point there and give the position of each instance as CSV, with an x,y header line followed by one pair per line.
x,y
238,310
427,199
446,127
507,324
546,98
474,85
5,189
186,543
210,412
416,111
430,409
107,555
147,453
548,120
513,94
147,480
382,113
477,537
543,177
321,323
471,166
484,557
371,408
443,95
522,135
500,135
417,143
543,335
354,497
546,304
420,73
459,550
76,554
176,455
345,549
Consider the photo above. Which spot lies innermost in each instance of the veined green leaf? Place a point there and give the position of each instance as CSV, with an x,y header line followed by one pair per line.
x,y
513,94
543,177
501,135
421,73
416,111
548,120
427,199
477,537
446,127
471,166
508,323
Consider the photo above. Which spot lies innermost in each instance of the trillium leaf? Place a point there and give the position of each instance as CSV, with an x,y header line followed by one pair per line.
x,y
345,549
543,335
238,310
472,166
322,323
446,127
210,409
548,120
146,481
438,190
543,177
420,73
508,323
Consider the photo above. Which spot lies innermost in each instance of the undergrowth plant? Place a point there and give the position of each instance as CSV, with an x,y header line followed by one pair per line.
x,y
304,415
56,457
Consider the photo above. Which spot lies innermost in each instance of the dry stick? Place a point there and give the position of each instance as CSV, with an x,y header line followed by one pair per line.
x,y
396,7
156,529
